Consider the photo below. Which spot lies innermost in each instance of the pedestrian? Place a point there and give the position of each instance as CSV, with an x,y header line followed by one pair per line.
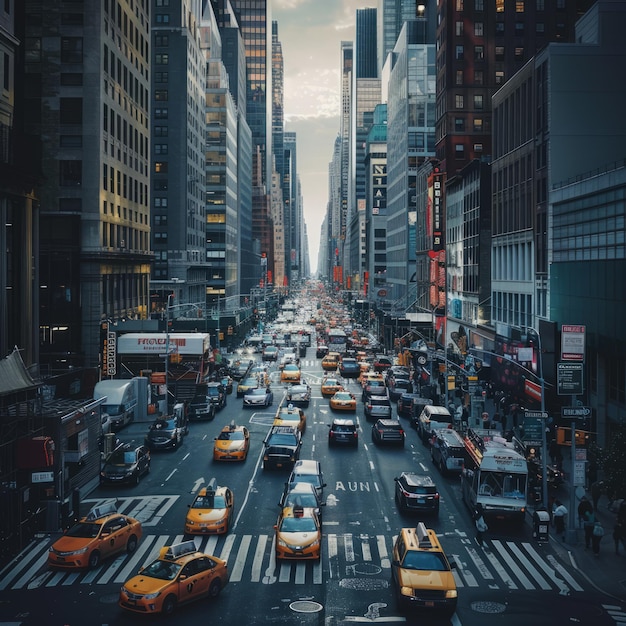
x,y
597,489
619,536
558,513
589,521
481,525
583,507
486,420
596,537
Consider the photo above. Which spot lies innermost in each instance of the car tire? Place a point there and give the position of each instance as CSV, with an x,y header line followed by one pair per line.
x,y
215,588
169,605
131,544
94,559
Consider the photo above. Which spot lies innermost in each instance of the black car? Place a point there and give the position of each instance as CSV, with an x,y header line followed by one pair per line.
x,y
388,431
126,464
405,404
349,368
398,386
321,351
282,447
217,394
416,492
166,433
201,407
343,432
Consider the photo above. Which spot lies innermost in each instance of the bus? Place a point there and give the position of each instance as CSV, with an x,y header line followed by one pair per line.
x,y
495,476
337,340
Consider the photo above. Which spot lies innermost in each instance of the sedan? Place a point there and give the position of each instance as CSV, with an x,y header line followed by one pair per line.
x,y
101,534
126,464
298,534
343,401
349,368
290,373
212,511
261,396
270,353
330,386
246,385
232,444
299,395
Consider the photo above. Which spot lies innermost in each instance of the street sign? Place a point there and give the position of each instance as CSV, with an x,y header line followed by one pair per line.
x,y
569,379
572,342
540,414
575,411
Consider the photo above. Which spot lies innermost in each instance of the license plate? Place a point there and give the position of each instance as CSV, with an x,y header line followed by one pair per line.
x,y
429,603
420,500
279,464
543,528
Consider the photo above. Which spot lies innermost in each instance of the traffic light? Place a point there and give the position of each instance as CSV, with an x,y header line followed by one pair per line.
x,y
564,436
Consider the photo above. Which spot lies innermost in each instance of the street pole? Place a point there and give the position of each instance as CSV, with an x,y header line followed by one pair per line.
x,y
544,442
167,351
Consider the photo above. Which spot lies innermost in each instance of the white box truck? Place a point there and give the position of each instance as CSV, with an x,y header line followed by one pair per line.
x,y
120,403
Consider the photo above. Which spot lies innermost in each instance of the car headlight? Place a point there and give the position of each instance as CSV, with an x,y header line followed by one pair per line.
x,y
72,553
451,593
282,543
152,596
406,591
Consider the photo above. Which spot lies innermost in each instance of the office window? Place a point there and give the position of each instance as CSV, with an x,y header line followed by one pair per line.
x,y
478,29
459,124
161,95
161,40
479,77
478,125
70,173
160,114
71,49
519,52
540,28
499,53
458,28
160,167
499,28
519,6
162,18
161,77
459,151
459,5
459,53
459,101
160,148
519,28
499,6
478,101
479,53
479,5
161,131
161,59
499,77
540,5
459,77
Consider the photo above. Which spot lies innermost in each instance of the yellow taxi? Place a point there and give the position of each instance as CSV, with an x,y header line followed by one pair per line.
x,y
421,574
291,416
101,534
330,362
232,444
368,375
212,511
298,534
343,401
290,373
330,386
179,575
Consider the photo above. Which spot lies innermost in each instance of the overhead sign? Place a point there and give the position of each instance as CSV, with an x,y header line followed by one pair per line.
x,y
569,379
572,342
534,414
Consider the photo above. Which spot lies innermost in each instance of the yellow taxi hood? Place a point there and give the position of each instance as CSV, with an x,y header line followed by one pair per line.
x,y
226,445
417,579
143,585
206,515
70,544
299,538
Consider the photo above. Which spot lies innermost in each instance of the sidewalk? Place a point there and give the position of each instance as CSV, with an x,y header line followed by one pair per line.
x,y
607,571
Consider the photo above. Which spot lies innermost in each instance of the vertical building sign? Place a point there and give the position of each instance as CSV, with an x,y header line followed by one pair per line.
x,y
379,188
109,350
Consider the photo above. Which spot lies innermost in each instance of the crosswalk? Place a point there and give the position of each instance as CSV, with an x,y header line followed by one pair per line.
x,y
499,564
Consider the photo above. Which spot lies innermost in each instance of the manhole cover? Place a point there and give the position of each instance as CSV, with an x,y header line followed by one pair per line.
x,y
488,607
364,584
305,606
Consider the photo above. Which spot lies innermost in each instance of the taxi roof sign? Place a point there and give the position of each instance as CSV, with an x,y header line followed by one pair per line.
x,y
109,507
422,536
180,549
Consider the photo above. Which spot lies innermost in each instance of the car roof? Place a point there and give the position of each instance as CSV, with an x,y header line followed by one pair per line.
x,y
342,421
306,466
417,480
388,422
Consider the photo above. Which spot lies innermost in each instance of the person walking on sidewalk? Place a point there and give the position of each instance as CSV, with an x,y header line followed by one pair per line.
x,y
597,489
559,512
596,537
589,521
584,507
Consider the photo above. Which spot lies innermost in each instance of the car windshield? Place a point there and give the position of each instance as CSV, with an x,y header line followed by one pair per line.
x,y
283,440
231,435
84,530
312,479
298,525
163,570
257,392
122,457
344,428
301,499
427,561
209,502
163,425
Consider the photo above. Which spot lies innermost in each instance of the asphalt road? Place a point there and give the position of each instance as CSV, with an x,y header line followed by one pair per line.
x,y
513,576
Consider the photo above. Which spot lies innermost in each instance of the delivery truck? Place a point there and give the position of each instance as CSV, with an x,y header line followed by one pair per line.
x,y
120,403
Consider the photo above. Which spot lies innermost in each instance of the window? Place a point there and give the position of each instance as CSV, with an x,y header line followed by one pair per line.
x,y
499,28
160,148
161,94
499,53
478,147
519,52
160,167
479,5
161,77
161,59
459,101
519,28
478,124
458,28
540,28
519,6
459,151
478,29
459,77
162,18
161,131
161,40
478,101
6,72
479,77
541,5
459,5
459,124
479,53
459,53
499,77
70,173
71,111
160,114
71,49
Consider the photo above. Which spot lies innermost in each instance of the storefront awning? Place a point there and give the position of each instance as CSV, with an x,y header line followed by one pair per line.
x,y
13,375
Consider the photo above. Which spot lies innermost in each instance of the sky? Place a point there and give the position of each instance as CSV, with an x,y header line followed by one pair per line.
x,y
311,32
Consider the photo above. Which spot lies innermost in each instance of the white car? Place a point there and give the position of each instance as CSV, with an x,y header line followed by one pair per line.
x,y
261,396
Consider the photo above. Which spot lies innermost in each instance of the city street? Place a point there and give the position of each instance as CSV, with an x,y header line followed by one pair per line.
x,y
513,576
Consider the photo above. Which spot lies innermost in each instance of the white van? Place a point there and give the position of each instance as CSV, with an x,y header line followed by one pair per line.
x,y
121,401
432,418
